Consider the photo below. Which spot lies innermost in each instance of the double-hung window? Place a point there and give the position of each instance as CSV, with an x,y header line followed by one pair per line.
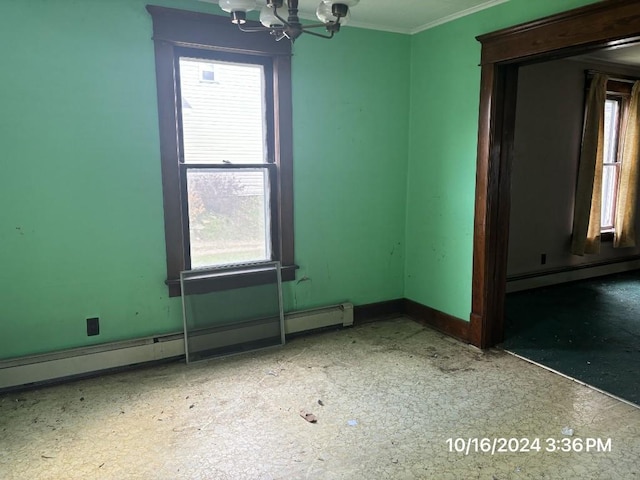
x,y
224,104
615,108
226,163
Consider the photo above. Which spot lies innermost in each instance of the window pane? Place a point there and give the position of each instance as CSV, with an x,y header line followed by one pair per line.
x,y
609,180
231,310
225,118
228,216
611,109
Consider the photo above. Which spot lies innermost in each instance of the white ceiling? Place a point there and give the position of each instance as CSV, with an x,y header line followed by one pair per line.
x,y
402,16
626,55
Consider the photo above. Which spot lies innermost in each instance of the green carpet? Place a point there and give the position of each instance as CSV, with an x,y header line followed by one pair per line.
x,y
588,330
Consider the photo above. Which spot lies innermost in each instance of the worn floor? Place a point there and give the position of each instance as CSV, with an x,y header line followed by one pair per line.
x,y
388,396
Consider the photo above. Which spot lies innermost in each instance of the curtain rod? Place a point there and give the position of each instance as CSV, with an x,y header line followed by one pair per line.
x,y
616,78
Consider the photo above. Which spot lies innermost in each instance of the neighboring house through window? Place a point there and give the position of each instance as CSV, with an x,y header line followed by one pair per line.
x,y
226,146
207,72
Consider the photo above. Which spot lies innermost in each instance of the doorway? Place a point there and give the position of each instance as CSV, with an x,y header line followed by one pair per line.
x,y
576,315
602,24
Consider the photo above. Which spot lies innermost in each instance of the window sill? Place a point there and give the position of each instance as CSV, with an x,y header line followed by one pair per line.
x,y
288,273
606,236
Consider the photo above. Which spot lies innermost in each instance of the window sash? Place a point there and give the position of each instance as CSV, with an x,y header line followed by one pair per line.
x,y
272,175
233,58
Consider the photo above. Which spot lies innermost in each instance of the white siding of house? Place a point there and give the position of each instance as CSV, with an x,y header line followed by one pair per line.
x,y
223,120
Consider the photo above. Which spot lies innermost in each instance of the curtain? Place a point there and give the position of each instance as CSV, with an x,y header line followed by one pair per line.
x,y
624,223
588,199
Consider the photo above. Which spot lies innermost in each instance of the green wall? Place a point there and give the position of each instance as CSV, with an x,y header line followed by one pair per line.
x,y
385,132
81,228
445,89
350,97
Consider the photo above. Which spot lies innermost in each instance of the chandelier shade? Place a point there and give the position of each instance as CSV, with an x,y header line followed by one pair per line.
x,y
325,14
269,19
238,9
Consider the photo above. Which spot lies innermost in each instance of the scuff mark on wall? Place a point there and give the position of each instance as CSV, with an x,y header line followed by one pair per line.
x,y
303,288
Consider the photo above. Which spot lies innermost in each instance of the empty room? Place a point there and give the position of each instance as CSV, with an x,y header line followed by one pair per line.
x,y
282,239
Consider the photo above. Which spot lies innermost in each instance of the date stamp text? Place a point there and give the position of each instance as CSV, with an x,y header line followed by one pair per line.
x,y
499,445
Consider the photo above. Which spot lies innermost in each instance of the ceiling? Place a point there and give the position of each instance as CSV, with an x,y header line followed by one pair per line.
x,y
626,55
402,16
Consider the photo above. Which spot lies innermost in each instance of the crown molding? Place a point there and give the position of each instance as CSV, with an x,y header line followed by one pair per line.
x,y
378,27
457,15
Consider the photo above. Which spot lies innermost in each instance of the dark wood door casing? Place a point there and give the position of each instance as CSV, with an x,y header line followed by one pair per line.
x,y
602,24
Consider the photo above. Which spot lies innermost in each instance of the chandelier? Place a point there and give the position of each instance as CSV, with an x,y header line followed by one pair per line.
x,y
332,14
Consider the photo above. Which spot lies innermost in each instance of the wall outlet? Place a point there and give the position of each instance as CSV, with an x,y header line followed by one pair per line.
x,y
543,258
93,326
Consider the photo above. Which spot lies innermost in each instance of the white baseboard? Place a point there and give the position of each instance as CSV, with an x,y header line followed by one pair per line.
x,y
86,360
555,278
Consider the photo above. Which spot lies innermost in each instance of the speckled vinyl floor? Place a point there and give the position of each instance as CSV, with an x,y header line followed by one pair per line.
x,y
387,397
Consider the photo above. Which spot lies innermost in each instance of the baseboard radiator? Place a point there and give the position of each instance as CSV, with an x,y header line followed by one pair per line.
x,y
519,283
40,369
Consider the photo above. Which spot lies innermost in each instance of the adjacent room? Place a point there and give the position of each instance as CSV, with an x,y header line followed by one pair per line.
x,y
235,250
575,312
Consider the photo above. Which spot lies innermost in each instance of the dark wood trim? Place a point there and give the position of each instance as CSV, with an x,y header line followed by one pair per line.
x,y
606,23
504,129
283,106
179,32
167,120
484,209
199,282
602,24
287,273
619,89
443,322
372,312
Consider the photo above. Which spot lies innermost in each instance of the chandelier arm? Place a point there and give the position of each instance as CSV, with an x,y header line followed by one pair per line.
x,y
285,22
252,29
315,34
313,25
